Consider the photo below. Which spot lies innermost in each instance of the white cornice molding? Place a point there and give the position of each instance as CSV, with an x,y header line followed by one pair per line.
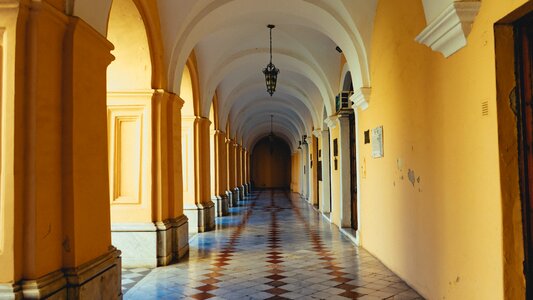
x,y
317,132
361,98
331,121
448,32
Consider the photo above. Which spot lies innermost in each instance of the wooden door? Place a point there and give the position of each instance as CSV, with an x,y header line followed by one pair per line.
x,y
524,38
319,169
353,173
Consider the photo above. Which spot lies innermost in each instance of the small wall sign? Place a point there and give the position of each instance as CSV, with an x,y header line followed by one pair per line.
x,y
377,142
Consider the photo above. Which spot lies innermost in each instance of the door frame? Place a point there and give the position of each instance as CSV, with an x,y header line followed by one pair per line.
x,y
523,30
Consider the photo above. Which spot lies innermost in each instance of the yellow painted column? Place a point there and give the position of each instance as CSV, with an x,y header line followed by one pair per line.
x,y
42,166
246,170
53,95
325,157
206,208
178,220
86,185
239,166
232,171
229,171
167,213
295,172
340,169
249,173
335,175
221,171
11,162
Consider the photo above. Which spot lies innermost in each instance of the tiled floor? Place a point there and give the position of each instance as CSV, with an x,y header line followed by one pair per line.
x,y
131,277
272,247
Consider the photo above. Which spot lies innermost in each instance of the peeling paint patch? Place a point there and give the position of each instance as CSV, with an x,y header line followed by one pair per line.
x,y
66,244
399,164
411,175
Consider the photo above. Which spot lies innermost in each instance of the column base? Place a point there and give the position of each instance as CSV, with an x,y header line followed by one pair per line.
x,y
229,194
246,189
10,291
151,244
180,237
138,243
236,196
50,286
218,205
164,242
201,217
96,279
206,216
225,205
243,195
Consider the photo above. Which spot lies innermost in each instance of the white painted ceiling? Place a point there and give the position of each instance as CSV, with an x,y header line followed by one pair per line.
x,y
231,40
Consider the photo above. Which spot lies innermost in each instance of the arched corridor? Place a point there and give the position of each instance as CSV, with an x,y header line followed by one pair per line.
x,y
273,245
372,149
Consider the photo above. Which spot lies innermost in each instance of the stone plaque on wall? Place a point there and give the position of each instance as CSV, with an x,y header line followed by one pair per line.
x,y
377,142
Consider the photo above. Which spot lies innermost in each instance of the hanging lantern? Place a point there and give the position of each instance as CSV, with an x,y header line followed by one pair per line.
x,y
271,72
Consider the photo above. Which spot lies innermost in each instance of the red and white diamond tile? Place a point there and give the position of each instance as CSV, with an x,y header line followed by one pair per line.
x,y
273,247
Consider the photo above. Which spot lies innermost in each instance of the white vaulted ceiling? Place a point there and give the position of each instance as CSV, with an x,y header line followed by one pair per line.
x,y
231,43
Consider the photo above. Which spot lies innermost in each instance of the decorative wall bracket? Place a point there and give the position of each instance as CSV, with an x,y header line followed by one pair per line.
x,y
361,98
331,121
448,32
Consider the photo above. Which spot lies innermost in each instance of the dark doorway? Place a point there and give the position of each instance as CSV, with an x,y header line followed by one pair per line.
x,y
271,163
524,46
329,171
318,169
348,89
353,173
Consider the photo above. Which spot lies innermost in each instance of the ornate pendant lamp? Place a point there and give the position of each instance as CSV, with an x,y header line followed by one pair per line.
x,y
271,72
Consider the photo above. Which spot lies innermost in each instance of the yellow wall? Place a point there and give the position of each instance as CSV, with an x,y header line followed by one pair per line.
x,y
187,137
132,68
335,177
271,170
129,104
442,233
295,172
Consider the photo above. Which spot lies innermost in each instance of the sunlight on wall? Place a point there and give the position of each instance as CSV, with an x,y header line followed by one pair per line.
x,y
187,93
441,231
129,101
131,69
187,138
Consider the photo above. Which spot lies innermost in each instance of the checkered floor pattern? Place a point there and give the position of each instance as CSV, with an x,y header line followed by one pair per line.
x,y
131,277
273,246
